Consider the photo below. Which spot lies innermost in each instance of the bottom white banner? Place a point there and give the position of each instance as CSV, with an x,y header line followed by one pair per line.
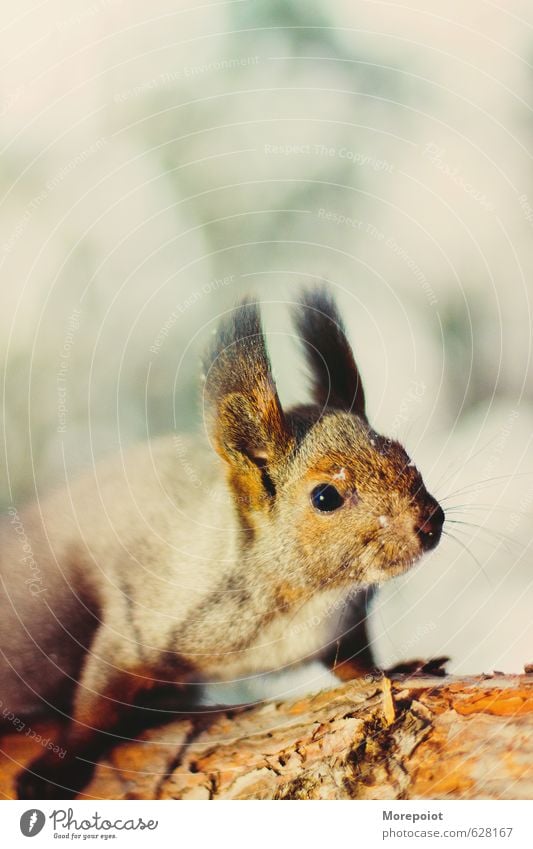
x,y
269,824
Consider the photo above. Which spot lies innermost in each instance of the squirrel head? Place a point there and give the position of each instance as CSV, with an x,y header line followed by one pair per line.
x,y
315,487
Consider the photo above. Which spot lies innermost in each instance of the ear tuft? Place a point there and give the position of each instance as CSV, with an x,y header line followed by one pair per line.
x,y
247,420
336,382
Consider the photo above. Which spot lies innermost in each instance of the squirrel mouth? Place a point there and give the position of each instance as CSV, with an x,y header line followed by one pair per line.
x,y
401,564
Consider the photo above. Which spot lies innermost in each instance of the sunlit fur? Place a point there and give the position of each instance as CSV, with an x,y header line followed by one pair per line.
x,y
190,560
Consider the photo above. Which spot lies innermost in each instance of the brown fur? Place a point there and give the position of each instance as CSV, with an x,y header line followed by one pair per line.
x,y
151,575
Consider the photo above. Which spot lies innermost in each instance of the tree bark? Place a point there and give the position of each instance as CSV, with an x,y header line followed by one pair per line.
x,y
400,738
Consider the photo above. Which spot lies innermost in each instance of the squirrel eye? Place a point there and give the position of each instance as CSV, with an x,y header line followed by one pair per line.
x,y
326,498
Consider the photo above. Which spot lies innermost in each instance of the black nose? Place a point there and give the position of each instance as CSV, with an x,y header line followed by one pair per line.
x,y
430,528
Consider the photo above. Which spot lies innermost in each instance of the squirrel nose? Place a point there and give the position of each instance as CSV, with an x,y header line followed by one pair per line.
x,y
429,531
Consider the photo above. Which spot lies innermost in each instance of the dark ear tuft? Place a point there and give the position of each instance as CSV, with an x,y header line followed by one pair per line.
x,y
247,421
336,381
238,341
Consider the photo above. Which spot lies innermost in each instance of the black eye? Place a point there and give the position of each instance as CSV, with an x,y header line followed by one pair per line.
x,y
326,498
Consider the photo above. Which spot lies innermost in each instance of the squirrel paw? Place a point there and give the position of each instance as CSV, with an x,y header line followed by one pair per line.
x,y
433,666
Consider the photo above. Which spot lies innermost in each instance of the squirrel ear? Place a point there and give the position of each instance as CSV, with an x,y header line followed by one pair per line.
x,y
336,381
247,423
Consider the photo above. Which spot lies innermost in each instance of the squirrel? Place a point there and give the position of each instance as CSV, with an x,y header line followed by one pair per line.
x,y
189,560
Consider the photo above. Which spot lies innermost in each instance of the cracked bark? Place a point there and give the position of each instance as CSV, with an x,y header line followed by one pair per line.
x,y
406,738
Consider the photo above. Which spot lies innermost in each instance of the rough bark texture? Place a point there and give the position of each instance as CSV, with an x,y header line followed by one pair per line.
x,y
407,738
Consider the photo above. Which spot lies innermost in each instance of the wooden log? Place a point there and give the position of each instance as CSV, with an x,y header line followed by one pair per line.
x,y
400,738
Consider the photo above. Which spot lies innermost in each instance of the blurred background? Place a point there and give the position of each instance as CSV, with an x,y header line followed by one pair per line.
x,y
159,160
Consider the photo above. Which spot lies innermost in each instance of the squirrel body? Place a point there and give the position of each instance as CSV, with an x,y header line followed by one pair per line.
x,y
188,560
182,589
